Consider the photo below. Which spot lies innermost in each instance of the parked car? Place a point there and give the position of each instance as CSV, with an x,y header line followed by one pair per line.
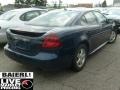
x,y
101,9
60,39
15,18
113,14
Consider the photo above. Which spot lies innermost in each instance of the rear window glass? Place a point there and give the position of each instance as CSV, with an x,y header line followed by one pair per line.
x,y
54,18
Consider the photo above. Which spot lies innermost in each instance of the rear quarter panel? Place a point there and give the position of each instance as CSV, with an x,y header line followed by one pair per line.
x,y
71,37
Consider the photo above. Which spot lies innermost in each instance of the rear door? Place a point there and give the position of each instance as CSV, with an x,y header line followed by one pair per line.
x,y
106,28
94,30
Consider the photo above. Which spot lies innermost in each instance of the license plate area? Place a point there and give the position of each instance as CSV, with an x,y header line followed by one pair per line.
x,y
23,45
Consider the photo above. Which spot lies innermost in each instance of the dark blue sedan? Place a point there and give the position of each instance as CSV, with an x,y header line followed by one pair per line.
x,y
60,39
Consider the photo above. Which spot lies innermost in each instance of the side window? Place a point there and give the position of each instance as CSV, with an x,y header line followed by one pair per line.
x,y
83,21
101,18
29,15
91,19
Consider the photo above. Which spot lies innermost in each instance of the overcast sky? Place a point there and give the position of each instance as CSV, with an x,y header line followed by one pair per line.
x,y
4,2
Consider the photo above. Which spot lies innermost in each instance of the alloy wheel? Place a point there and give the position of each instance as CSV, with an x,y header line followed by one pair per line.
x,y
81,57
112,37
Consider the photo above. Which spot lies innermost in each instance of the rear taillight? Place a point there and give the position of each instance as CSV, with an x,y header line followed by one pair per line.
x,y
51,41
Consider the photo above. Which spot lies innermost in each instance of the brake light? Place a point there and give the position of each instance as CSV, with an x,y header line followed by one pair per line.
x,y
51,41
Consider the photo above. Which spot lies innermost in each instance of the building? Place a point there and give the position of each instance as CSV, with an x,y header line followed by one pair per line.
x,y
87,5
116,3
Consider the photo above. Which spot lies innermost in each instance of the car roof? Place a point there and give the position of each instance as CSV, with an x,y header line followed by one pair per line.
x,y
83,9
114,8
27,9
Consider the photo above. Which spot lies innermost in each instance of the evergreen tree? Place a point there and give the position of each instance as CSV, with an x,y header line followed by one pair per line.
x,y
55,5
60,2
30,2
1,7
104,4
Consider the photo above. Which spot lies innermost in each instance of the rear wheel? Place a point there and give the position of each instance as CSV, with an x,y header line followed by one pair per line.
x,y
80,58
113,37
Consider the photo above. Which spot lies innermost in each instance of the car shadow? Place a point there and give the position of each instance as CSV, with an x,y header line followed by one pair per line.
x,y
2,46
97,52
51,75
59,73
68,72
63,75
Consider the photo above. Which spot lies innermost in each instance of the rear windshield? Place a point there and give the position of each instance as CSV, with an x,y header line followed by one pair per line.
x,y
8,15
54,18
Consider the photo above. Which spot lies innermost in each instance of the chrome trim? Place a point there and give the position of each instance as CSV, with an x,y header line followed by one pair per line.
x,y
98,48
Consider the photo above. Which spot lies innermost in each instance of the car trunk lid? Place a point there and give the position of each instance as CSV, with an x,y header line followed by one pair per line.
x,y
27,39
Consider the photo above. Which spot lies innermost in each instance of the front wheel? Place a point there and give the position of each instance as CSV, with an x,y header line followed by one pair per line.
x,y
113,37
79,58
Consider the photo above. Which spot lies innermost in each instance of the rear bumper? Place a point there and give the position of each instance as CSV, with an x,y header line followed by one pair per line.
x,y
44,61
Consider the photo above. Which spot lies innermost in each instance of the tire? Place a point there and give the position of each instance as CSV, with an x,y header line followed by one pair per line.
x,y
113,37
79,60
